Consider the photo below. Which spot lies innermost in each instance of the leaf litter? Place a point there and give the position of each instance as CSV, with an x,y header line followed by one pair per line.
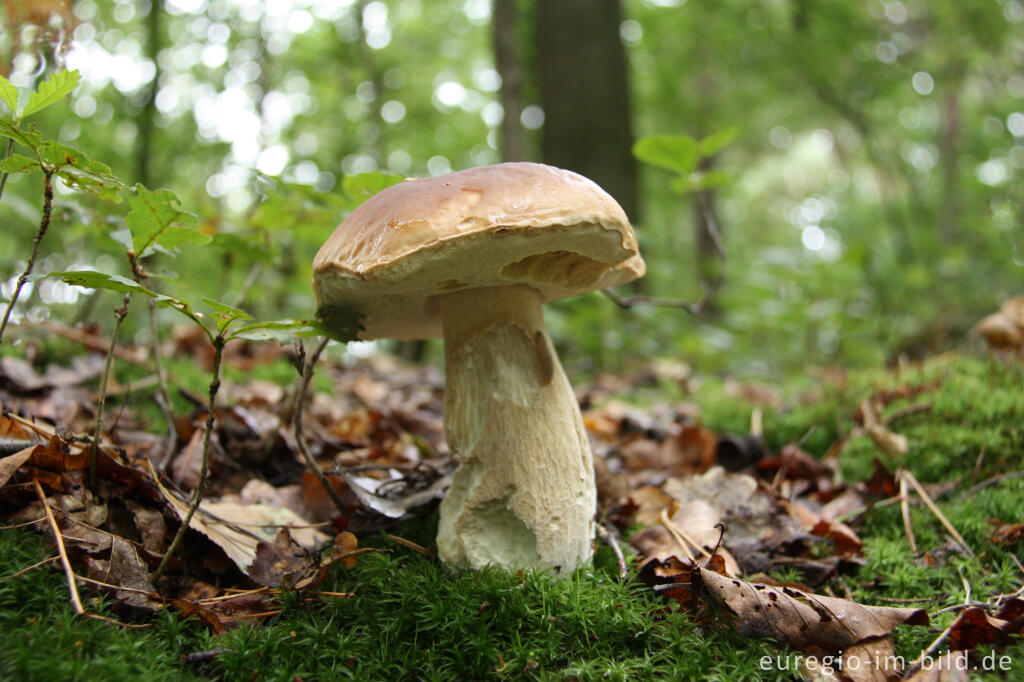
x,y
709,515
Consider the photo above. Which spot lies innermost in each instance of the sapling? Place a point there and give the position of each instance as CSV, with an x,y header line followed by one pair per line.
x,y
49,157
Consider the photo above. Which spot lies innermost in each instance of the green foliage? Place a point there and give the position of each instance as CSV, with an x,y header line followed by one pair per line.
x,y
339,322
677,153
359,188
156,221
55,88
9,94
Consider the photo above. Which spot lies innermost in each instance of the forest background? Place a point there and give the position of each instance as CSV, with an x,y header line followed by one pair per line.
x,y
842,178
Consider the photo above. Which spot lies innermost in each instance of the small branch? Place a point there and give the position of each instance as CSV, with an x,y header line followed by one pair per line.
x,y
905,511
912,480
610,537
3,178
992,481
76,601
218,352
29,569
163,397
300,403
693,307
44,225
119,314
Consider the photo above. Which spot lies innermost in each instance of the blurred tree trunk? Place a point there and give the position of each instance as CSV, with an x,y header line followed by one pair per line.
x,y
581,71
147,119
949,148
506,57
710,253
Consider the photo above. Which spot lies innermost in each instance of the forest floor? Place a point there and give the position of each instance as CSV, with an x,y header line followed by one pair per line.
x,y
872,522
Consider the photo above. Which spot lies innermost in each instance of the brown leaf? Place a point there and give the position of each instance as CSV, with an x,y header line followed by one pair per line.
x,y
841,535
11,463
1005,534
649,501
124,568
280,562
949,667
882,482
973,627
801,620
795,463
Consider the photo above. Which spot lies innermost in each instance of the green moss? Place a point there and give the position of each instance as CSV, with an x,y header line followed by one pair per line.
x,y
411,618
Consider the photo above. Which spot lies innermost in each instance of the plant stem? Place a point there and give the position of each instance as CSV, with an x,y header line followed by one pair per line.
x,y
3,178
44,225
119,314
300,403
218,352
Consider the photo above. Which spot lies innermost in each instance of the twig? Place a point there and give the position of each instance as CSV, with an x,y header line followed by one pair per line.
x,y
905,511
935,510
90,341
98,583
868,507
30,568
218,352
680,537
992,481
76,601
119,314
693,307
44,225
162,397
610,537
300,404
3,178
420,549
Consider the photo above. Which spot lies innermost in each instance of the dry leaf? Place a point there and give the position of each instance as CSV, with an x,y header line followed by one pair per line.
x,y
799,619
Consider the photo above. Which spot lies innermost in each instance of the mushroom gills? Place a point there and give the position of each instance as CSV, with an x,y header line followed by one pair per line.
x,y
560,268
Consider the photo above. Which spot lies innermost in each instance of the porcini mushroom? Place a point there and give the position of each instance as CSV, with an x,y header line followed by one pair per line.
x,y
471,256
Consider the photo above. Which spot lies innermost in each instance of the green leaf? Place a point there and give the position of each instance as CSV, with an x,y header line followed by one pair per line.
x,y
173,237
709,179
28,138
151,214
9,94
225,311
673,152
16,163
359,188
121,236
52,90
339,322
101,280
682,184
59,155
716,142
277,330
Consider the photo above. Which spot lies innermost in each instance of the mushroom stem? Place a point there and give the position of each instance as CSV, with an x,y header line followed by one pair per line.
x,y
523,496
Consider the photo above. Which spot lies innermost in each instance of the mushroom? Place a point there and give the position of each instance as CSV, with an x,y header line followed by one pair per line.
x,y
471,256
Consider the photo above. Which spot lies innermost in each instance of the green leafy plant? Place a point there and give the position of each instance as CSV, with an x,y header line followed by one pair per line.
x,y
682,154
48,157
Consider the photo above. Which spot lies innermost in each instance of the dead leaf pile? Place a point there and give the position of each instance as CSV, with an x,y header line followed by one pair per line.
x,y
266,517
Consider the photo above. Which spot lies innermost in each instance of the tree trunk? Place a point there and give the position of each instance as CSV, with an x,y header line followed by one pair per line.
x,y
506,58
581,69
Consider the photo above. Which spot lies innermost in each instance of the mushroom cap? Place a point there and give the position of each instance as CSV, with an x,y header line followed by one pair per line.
x,y
511,223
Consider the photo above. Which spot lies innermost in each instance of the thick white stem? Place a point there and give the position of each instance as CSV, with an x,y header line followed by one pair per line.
x,y
524,494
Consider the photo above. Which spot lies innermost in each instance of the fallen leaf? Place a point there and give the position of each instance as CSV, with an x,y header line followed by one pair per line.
x,y
799,619
974,627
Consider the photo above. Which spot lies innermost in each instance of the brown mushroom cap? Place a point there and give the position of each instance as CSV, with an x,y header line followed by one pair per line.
x,y
512,223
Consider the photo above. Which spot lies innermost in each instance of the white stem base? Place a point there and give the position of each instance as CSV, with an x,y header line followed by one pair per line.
x,y
524,494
